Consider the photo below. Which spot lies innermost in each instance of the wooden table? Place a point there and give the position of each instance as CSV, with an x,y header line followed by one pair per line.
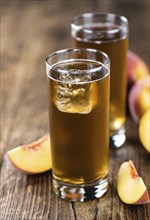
x,y
29,31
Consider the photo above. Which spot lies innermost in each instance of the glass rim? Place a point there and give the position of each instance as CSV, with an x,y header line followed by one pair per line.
x,y
106,63
99,14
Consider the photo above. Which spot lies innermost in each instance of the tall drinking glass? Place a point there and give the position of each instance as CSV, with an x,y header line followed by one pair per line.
x,y
78,91
109,33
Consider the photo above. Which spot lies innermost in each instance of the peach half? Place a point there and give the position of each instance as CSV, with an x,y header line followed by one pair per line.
x,y
144,130
136,68
139,98
32,158
130,186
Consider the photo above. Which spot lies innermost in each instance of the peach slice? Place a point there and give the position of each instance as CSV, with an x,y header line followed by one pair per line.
x,y
144,130
33,158
130,186
139,98
136,68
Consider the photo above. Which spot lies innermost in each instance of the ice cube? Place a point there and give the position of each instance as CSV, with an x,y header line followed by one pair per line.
x,y
73,95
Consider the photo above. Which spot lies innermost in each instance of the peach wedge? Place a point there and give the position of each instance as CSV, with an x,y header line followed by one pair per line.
x,y
130,186
144,130
33,158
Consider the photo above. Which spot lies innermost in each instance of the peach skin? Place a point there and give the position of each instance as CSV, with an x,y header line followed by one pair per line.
x,y
144,130
136,69
139,98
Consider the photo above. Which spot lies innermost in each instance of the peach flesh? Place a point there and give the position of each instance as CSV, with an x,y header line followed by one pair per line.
x,y
33,158
130,186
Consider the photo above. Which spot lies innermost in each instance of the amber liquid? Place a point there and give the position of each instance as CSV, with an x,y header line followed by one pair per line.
x,y
79,117
115,45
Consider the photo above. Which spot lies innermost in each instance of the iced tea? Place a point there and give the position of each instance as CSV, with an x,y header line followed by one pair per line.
x,y
112,39
78,110
78,90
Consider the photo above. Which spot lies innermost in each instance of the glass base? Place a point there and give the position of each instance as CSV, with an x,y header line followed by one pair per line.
x,y
80,193
118,138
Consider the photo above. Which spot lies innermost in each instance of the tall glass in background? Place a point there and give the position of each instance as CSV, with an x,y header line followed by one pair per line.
x,y
78,89
109,33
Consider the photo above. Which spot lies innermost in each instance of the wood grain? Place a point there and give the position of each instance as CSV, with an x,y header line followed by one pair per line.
x,y
30,30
